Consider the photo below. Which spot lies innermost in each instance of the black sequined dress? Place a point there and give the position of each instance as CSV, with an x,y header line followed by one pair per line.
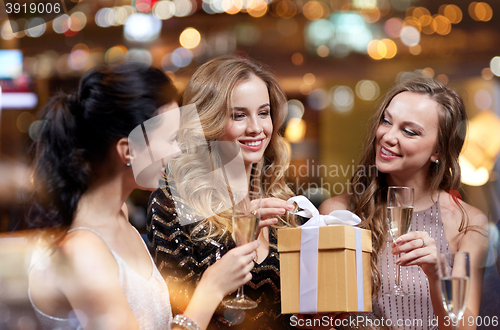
x,y
182,261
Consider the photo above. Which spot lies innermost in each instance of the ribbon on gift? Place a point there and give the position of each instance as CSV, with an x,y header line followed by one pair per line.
x,y
309,238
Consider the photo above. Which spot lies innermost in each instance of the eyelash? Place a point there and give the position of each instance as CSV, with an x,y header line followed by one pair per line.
x,y
238,116
406,131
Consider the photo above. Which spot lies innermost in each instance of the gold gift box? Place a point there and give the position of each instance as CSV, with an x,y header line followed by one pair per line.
x,y
337,286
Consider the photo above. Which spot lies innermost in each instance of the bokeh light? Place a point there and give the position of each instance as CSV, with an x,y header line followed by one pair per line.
x,y
483,99
140,55
297,58
60,24
6,31
367,90
142,27
342,98
182,57
115,54
105,17
295,109
323,51
487,74
428,72
443,78
78,21
35,27
309,79
410,36
480,11
184,8
451,12
495,65
442,25
190,38
393,26
164,9
24,121
318,99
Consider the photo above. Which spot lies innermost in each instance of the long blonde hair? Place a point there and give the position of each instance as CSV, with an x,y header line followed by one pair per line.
x,y
370,205
210,89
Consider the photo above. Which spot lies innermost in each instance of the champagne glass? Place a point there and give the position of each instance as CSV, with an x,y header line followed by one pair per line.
x,y
246,217
454,285
399,215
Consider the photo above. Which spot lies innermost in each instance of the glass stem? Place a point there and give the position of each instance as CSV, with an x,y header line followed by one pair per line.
x,y
239,294
398,274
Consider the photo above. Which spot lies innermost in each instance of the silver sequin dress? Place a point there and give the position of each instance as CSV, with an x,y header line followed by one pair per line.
x,y
412,312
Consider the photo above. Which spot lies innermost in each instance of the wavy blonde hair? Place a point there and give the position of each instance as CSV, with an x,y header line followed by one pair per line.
x,y
370,205
210,89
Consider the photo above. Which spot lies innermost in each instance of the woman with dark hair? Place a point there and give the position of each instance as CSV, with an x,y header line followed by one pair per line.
x,y
240,103
414,140
96,272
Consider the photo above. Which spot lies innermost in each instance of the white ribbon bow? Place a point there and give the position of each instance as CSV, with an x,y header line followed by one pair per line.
x,y
338,217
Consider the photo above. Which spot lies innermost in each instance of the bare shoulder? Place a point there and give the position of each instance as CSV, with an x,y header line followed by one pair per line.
x,y
85,255
451,209
340,202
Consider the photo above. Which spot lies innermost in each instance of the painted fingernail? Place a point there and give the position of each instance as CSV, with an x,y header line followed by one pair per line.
x,y
398,262
399,240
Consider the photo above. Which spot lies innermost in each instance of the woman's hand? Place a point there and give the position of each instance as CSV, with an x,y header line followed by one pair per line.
x,y
420,249
271,207
231,271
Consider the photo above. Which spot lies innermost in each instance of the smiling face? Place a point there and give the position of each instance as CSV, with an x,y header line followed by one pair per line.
x,y
250,124
407,136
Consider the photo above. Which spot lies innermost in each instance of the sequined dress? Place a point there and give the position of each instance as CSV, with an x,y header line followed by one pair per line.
x,y
182,261
413,312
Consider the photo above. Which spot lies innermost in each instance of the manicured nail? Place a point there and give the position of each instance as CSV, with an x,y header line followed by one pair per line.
x,y
399,240
398,262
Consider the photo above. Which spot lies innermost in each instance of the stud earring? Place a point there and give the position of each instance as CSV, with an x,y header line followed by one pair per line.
x,y
436,161
128,164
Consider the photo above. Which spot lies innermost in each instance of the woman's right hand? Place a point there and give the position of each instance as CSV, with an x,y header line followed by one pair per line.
x,y
270,208
231,271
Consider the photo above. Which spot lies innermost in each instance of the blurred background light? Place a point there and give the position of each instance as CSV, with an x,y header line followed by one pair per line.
x,y
318,99
483,99
142,27
164,9
295,130
367,90
35,27
295,109
190,38
342,98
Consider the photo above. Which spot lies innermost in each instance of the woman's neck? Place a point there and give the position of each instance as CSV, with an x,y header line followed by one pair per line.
x,y
102,204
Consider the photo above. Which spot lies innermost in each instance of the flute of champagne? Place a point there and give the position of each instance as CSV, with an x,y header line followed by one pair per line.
x,y
454,285
399,214
246,217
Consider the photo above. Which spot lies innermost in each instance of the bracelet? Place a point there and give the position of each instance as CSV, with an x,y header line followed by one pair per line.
x,y
185,322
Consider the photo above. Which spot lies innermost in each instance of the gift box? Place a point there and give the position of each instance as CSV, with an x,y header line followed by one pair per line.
x,y
325,268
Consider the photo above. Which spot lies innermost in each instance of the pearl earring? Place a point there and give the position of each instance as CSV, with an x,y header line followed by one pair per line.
x,y
436,161
128,164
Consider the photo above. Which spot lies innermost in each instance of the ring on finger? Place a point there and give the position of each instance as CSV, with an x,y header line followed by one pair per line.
x,y
423,241
254,212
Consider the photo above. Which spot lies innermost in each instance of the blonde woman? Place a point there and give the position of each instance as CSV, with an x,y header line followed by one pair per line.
x,y
239,102
414,140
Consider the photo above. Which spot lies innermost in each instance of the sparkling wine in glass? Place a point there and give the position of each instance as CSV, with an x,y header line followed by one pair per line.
x,y
399,215
454,285
246,217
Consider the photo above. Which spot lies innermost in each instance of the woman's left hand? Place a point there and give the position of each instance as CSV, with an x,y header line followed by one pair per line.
x,y
420,249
